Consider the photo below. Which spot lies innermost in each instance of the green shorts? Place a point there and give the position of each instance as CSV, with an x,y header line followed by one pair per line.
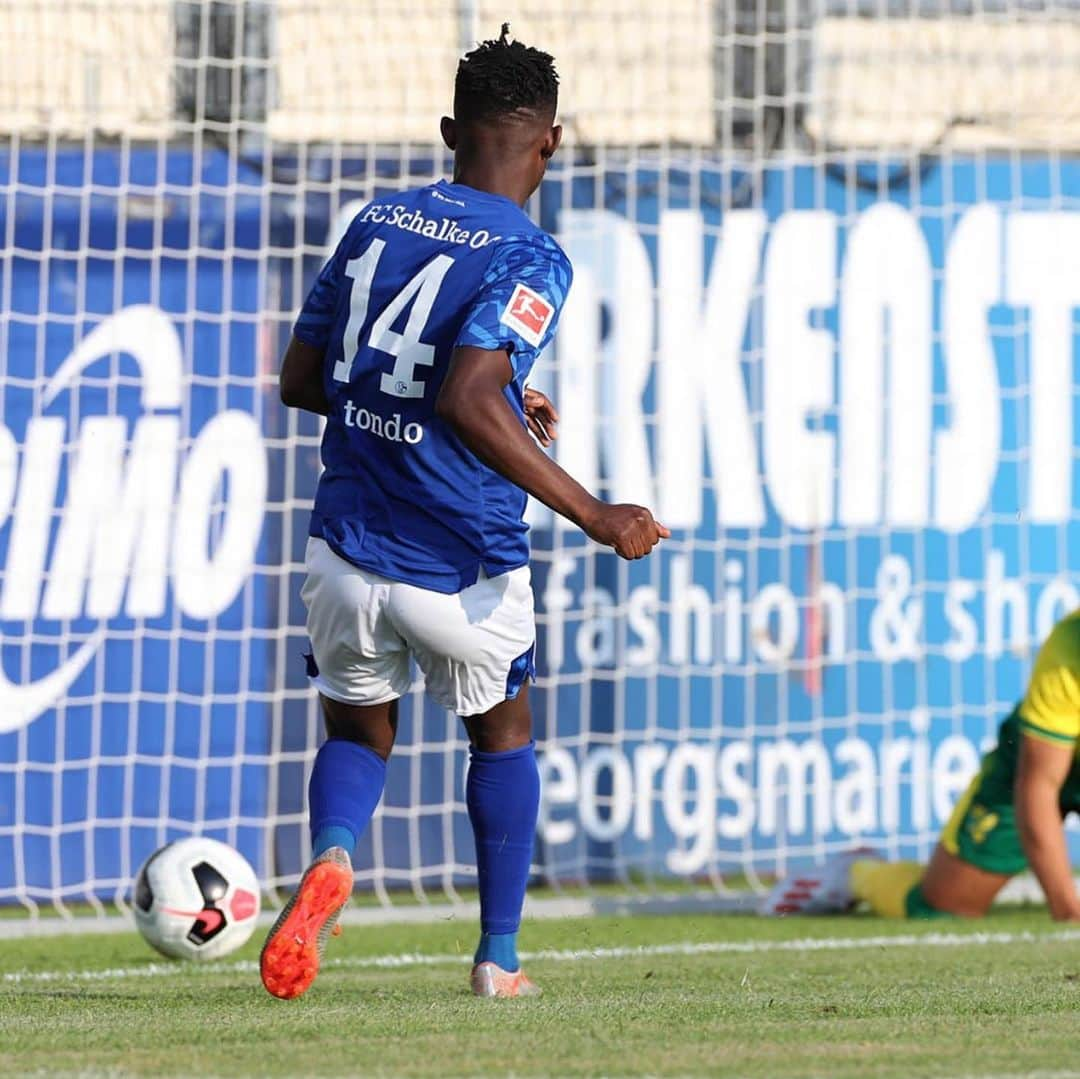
x,y
982,829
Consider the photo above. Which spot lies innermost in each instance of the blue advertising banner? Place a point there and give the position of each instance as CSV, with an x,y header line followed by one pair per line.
x,y
854,405
133,478
851,399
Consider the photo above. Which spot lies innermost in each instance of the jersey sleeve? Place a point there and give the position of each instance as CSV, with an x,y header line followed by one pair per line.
x,y
1051,707
316,318
519,301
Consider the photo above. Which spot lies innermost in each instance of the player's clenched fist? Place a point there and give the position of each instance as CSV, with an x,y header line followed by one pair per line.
x,y
630,529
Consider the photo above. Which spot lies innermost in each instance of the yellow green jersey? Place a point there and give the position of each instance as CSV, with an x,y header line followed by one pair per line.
x,y
1051,707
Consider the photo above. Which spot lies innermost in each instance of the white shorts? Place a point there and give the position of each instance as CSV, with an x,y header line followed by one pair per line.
x,y
475,648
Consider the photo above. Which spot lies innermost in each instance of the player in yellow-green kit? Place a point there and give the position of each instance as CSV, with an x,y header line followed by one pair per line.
x,y
1010,818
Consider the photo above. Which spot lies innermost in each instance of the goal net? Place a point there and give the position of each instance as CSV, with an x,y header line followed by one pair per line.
x,y
824,321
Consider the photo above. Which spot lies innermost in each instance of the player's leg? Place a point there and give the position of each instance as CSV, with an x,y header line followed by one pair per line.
x,y
503,797
824,889
476,651
349,773
885,886
952,885
947,886
360,667
346,784
978,852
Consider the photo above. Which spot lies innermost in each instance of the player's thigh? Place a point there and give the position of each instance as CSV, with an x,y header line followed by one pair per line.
x,y
475,648
980,846
954,886
503,728
371,725
359,658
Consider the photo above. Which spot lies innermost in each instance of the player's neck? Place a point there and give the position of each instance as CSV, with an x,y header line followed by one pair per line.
x,y
494,180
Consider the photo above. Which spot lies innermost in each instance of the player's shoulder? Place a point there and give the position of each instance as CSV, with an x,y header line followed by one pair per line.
x,y
532,252
528,237
1062,647
1051,705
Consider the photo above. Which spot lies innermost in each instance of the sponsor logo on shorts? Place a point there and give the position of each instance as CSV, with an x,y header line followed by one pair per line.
x,y
528,314
981,822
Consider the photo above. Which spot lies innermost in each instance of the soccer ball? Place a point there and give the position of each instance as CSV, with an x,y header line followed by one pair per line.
x,y
196,898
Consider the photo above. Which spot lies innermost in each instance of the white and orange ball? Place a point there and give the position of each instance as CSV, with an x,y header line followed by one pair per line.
x,y
196,898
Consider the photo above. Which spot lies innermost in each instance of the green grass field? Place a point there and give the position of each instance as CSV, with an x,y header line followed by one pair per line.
x,y
723,996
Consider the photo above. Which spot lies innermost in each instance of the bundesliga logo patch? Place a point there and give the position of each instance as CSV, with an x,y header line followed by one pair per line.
x,y
528,314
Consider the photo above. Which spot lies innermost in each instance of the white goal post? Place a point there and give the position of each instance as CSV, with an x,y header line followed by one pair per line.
x,y
824,320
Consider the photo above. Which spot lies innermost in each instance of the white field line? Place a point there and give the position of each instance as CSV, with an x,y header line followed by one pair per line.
x,y
686,948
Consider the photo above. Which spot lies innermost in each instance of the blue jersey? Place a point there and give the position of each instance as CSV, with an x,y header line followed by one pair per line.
x,y
415,276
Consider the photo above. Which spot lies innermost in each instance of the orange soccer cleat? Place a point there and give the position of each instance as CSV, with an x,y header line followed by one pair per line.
x,y
292,952
489,980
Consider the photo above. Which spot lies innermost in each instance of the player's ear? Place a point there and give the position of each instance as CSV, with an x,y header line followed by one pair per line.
x,y
448,130
551,143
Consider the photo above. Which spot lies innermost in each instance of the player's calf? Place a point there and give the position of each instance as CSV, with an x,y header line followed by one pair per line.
x,y
503,798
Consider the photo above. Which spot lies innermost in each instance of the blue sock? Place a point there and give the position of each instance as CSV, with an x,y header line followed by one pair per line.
x,y
498,948
503,796
332,835
346,785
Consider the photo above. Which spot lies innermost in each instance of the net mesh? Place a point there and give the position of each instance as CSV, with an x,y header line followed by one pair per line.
x,y
824,321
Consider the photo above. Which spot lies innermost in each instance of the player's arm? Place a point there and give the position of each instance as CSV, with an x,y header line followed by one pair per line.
x,y
301,378
472,402
1042,769
302,367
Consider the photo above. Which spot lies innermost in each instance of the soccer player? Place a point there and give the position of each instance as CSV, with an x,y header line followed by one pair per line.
x,y
415,342
1010,817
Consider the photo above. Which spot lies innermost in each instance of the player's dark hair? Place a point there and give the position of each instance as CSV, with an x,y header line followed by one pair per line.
x,y
500,77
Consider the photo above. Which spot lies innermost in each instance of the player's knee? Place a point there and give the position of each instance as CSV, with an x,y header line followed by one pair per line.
x,y
373,728
346,733
495,737
498,741
930,899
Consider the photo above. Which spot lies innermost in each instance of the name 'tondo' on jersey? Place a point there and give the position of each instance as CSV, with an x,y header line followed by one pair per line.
x,y
415,276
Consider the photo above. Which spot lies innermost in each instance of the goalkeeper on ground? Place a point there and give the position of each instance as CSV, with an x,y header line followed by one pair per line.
x,y
1009,818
